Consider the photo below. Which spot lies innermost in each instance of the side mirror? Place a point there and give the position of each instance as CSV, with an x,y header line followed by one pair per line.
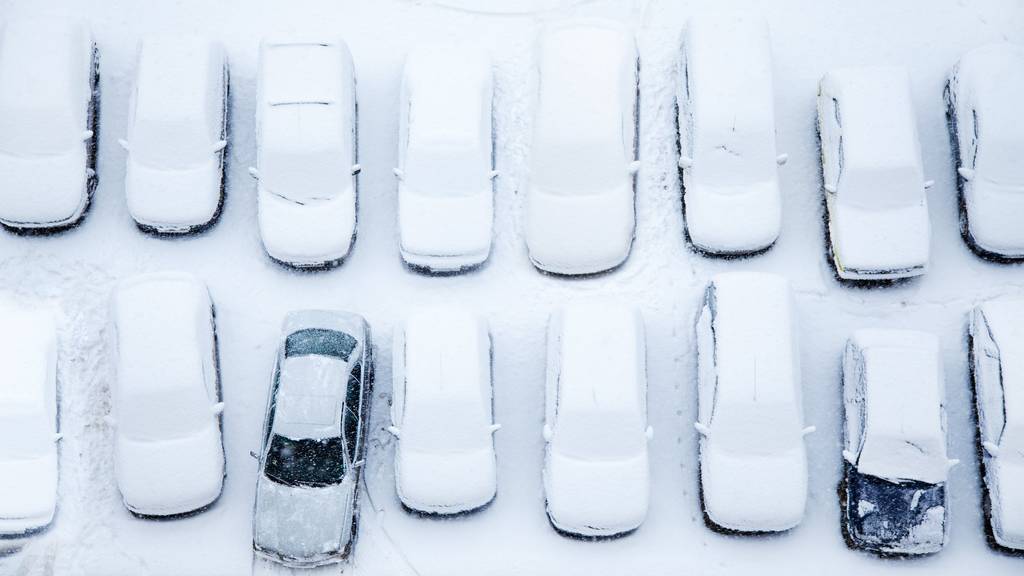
x,y
831,188
358,464
634,166
649,433
808,430
220,145
547,433
965,173
685,162
254,172
58,437
991,448
217,408
493,174
850,457
254,455
781,159
928,184
398,173
86,135
123,143
702,429
495,427
394,431
356,169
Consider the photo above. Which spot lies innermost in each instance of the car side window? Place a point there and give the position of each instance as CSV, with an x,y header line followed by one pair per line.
x,y
975,142
839,139
352,409
271,404
990,390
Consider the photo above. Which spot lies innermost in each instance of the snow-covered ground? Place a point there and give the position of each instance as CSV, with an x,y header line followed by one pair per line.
x,y
95,535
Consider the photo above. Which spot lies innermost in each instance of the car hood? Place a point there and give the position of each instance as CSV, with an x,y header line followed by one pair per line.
x,y
445,483
303,524
172,476
753,493
445,225
728,219
42,189
596,498
579,234
182,198
307,234
880,240
993,213
28,490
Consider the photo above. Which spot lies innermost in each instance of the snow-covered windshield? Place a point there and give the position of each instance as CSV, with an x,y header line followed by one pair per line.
x,y
319,341
166,143
304,157
447,169
880,187
579,168
445,423
24,436
306,462
38,131
166,414
735,159
593,435
758,429
1001,161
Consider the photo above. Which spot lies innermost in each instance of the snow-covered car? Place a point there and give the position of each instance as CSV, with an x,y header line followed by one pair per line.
x,y
996,347
986,123
49,93
314,437
445,158
727,134
177,133
871,165
166,401
580,213
442,412
753,462
893,493
596,470
28,421
306,152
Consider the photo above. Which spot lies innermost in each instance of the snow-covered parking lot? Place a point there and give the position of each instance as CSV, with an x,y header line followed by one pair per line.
x,y
94,534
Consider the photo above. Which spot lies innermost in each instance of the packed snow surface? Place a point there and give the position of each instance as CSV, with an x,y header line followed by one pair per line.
x,y
93,532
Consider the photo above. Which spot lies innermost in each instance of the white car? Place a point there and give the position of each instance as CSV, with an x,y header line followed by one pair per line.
x,y
177,133
165,400
441,412
306,160
986,121
446,158
28,421
893,493
580,214
871,164
753,462
596,470
727,134
49,79
996,347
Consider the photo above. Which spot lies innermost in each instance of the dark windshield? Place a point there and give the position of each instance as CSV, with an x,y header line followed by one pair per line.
x,y
306,462
319,341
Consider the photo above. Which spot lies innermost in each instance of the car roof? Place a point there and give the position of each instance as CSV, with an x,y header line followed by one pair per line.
x,y
293,71
879,127
159,321
754,331
44,65
28,348
448,86
728,55
310,396
447,353
602,358
1004,320
178,77
991,78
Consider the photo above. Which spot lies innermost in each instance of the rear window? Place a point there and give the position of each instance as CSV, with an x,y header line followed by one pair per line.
x,y
312,462
319,341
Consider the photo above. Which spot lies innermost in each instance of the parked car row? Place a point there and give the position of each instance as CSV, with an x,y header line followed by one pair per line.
x,y
166,407
580,187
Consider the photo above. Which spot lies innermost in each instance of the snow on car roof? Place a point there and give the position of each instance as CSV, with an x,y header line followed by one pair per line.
x,y
443,351
754,338
295,72
729,65
1004,319
877,115
903,395
175,76
310,396
447,84
992,78
602,357
28,344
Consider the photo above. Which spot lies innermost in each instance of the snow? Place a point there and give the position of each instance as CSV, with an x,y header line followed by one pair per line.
x,y
727,134
444,461
94,534
750,408
580,199
445,194
985,88
45,69
904,436
877,210
173,175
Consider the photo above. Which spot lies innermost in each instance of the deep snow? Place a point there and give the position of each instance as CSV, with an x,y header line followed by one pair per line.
x,y
93,534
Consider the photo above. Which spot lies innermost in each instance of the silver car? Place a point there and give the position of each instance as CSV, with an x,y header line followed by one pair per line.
x,y
307,506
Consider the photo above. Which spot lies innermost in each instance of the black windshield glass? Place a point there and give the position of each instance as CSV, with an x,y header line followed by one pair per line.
x,y
319,341
305,462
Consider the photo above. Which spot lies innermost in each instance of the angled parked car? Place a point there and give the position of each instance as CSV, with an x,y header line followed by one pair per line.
x,y
996,348
871,164
753,462
28,421
893,493
727,156
442,412
166,400
446,158
596,470
986,122
314,438
580,214
177,133
49,93
306,153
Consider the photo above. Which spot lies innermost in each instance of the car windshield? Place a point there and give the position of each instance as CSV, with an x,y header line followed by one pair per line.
x,y
444,423
1001,161
447,169
36,131
24,436
759,429
166,143
313,462
880,187
304,156
593,435
165,414
579,168
735,160
320,341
